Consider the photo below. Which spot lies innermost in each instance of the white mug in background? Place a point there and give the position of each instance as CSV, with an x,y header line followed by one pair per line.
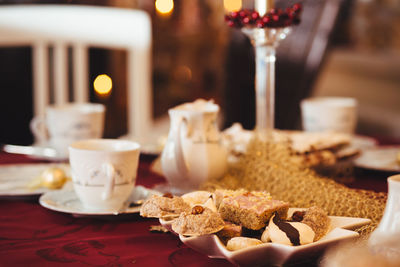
x,y
104,172
64,124
337,114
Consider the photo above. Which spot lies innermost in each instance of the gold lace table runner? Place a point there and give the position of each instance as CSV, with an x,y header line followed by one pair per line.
x,y
269,166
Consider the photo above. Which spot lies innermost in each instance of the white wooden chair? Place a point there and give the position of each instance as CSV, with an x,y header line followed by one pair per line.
x,y
81,27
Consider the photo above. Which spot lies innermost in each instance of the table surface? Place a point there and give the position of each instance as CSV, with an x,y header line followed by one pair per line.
x,y
33,235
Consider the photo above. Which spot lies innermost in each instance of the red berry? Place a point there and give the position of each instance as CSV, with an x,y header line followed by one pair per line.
x,y
297,7
260,24
227,18
275,11
255,15
275,18
231,23
234,14
246,20
242,13
266,19
292,14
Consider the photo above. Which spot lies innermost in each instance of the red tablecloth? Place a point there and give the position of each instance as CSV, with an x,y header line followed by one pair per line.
x,y
31,235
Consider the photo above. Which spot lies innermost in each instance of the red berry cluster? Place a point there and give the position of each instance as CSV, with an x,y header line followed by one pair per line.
x,y
274,18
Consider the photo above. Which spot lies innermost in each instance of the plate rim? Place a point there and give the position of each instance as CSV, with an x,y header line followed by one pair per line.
x,y
48,158
39,191
43,203
374,149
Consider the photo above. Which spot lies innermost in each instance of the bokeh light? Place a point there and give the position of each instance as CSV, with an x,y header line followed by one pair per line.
x,y
102,85
232,5
164,7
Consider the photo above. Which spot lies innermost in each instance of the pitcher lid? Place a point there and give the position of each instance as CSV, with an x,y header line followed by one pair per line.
x,y
199,105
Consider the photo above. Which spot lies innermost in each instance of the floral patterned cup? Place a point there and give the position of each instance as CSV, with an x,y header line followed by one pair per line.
x,y
104,172
65,124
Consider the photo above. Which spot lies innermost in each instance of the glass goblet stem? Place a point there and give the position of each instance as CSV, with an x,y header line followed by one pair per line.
x,y
265,89
265,41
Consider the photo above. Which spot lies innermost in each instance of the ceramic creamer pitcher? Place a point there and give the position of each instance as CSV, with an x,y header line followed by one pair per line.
x,y
193,152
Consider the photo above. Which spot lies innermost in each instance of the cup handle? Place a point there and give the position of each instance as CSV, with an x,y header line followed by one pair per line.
x,y
110,182
39,129
179,156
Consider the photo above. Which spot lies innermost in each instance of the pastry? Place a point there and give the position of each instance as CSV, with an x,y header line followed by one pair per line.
x,y
318,220
198,221
164,207
230,230
220,194
241,242
203,198
287,232
251,210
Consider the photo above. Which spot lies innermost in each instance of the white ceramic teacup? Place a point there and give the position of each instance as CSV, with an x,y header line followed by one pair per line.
x,y
337,114
104,172
64,124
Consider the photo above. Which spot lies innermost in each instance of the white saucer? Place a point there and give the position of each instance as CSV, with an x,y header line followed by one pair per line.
x,y
14,178
383,158
66,201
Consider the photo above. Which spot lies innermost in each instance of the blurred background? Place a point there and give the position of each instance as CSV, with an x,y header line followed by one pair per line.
x,y
341,48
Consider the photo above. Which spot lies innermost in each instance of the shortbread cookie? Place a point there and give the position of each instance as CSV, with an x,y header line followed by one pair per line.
x,y
237,243
165,207
198,221
318,220
220,194
198,197
287,232
250,210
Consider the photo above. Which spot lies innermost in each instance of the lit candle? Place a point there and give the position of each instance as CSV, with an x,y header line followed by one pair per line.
x,y
262,6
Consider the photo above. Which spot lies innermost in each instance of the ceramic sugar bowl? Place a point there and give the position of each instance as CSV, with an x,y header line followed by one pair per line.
x,y
193,152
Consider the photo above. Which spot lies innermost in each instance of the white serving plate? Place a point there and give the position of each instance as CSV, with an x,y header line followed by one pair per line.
x,y
14,178
66,201
269,254
381,158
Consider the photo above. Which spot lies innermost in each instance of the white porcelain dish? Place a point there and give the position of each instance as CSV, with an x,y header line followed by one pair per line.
x,y
383,158
66,201
272,254
15,178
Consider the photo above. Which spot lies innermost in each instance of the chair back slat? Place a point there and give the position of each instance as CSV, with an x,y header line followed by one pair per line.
x,y
140,107
80,73
40,59
60,61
